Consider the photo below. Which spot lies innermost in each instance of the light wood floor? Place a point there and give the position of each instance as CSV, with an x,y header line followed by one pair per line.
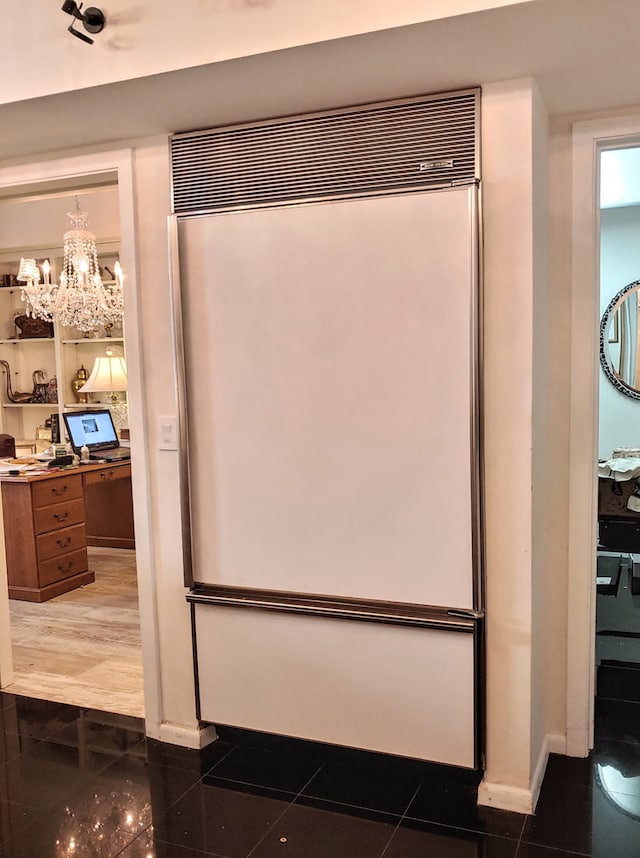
x,y
84,647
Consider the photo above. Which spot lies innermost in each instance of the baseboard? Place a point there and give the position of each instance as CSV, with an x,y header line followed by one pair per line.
x,y
186,737
553,743
557,744
504,797
521,799
577,743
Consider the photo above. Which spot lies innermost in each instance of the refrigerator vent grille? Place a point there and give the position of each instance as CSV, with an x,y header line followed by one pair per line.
x,y
396,146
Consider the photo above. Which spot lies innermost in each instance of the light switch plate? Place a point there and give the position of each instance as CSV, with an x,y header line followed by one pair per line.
x,y
167,433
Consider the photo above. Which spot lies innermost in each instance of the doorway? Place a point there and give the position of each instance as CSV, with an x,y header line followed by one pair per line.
x,y
618,560
101,605
589,140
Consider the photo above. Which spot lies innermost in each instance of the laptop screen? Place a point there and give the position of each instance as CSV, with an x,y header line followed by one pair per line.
x,y
93,428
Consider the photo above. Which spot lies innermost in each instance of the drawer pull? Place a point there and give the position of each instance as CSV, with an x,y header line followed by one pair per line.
x,y
61,516
65,569
60,490
62,543
107,475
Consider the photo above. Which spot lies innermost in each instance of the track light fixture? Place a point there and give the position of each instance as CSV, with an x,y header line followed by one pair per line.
x,y
93,19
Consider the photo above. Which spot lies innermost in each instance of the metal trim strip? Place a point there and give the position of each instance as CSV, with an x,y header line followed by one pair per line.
x,y
178,351
196,666
475,405
479,675
334,607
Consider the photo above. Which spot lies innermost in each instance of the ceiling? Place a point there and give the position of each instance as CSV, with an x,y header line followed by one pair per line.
x,y
582,53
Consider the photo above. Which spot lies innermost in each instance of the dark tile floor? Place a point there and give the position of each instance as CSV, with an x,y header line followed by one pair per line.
x,y
80,783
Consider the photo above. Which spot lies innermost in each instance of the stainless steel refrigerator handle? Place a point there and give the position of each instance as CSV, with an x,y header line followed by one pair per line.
x,y
177,348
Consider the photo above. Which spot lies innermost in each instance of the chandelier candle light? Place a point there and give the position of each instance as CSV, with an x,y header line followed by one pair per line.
x,y
80,300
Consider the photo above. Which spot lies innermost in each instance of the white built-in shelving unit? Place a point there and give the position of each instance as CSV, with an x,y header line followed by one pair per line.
x,y
59,357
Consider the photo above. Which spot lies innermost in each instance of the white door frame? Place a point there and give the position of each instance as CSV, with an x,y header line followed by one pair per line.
x,y
120,162
589,140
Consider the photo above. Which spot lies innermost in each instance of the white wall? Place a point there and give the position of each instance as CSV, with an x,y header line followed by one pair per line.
x,y
507,143
526,439
619,266
166,629
41,223
553,602
543,481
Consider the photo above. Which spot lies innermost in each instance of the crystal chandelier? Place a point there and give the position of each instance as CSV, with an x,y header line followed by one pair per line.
x,y
80,300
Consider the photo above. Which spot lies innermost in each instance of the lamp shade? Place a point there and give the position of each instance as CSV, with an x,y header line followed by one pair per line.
x,y
28,270
109,373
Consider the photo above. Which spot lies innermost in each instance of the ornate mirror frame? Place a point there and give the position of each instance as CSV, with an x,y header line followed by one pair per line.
x,y
605,361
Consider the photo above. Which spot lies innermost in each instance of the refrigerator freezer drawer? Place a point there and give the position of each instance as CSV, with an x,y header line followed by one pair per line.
x,y
386,688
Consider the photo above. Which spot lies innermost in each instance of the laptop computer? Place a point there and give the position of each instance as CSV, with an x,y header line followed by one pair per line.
x,y
95,429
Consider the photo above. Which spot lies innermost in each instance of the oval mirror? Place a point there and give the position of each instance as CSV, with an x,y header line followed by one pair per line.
x,y
620,340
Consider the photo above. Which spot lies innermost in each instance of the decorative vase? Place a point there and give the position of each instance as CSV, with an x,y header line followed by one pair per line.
x,y
76,383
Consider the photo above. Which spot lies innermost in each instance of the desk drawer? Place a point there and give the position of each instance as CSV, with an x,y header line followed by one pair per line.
x,y
105,475
61,541
63,566
57,490
58,515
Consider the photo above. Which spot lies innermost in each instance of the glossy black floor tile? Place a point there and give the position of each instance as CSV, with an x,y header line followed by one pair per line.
x,y
168,784
591,806
569,773
617,720
13,818
77,782
47,773
7,717
197,762
36,719
66,835
282,767
221,817
104,731
94,812
6,700
321,830
450,803
415,839
143,847
146,847
11,746
383,787
530,850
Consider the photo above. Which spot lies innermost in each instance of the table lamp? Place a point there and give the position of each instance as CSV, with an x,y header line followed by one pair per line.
x,y
109,375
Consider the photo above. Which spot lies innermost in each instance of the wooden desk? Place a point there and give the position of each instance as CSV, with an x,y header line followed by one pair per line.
x,y
108,505
49,519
